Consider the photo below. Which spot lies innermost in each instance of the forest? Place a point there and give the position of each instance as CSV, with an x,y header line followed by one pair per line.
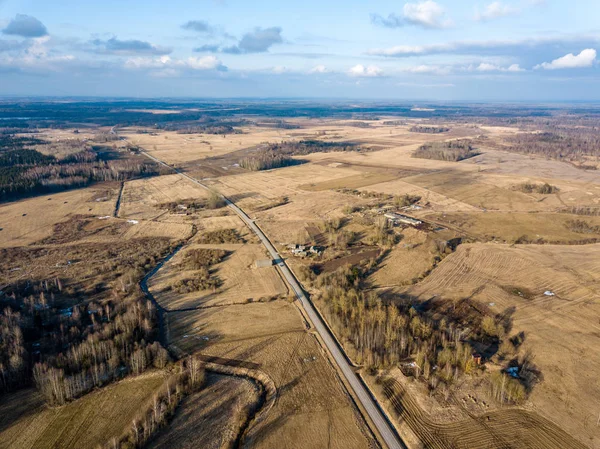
x,y
429,129
433,341
452,151
278,155
68,335
565,144
25,171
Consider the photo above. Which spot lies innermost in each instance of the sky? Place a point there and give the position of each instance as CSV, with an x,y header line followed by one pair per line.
x,y
442,50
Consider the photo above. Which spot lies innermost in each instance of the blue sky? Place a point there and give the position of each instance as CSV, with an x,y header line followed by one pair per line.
x,y
530,50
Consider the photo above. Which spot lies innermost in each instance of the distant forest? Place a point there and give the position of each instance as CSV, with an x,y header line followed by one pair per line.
x,y
429,129
25,171
277,155
453,151
571,145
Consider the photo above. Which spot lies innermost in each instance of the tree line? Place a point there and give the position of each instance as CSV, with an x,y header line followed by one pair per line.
x,y
451,151
25,171
576,145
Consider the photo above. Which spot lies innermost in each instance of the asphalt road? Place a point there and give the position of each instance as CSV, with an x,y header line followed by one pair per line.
x,y
369,404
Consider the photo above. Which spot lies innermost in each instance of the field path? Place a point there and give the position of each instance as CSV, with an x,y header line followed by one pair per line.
x,y
369,404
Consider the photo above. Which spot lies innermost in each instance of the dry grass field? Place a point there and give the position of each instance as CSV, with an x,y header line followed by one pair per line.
x,y
142,196
242,281
30,220
562,330
209,416
85,423
513,428
478,198
551,227
407,262
247,320
271,337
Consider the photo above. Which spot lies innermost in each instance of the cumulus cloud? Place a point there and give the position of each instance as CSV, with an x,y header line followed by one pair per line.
x,y
487,67
37,57
259,40
25,26
206,29
584,59
360,70
495,10
168,66
114,46
426,14
318,69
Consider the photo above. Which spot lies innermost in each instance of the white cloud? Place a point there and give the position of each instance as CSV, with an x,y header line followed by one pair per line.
x,y
318,69
362,71
515,68
37,56
427,13
495,10
487,67
412,50
169,66
428,69
584,59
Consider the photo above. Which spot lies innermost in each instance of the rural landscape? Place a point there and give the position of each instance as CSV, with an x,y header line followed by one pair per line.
x,y
229,274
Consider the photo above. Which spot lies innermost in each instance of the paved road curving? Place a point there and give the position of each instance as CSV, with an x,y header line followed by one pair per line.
x,y
370,405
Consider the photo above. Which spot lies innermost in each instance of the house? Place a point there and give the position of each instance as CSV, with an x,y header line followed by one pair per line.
x,y
399,218
263,263
303,250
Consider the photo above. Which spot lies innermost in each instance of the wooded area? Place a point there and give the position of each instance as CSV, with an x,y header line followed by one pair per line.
x,y
25,171
452,151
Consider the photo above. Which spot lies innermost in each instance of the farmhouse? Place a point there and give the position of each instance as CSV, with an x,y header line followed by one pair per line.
x,y
303,250
399,218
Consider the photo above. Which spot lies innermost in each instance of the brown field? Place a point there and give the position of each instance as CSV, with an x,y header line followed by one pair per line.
x,y
87,422
477,198
406,262
242,282
210,416
514,428
141,196
509,227
561,330
247,321
30,220
272,337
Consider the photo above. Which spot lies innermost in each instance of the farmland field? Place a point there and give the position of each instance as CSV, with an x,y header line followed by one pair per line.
x,y
87,422
465,293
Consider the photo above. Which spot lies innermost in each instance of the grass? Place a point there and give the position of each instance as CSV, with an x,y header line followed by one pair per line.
x,y
87,422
